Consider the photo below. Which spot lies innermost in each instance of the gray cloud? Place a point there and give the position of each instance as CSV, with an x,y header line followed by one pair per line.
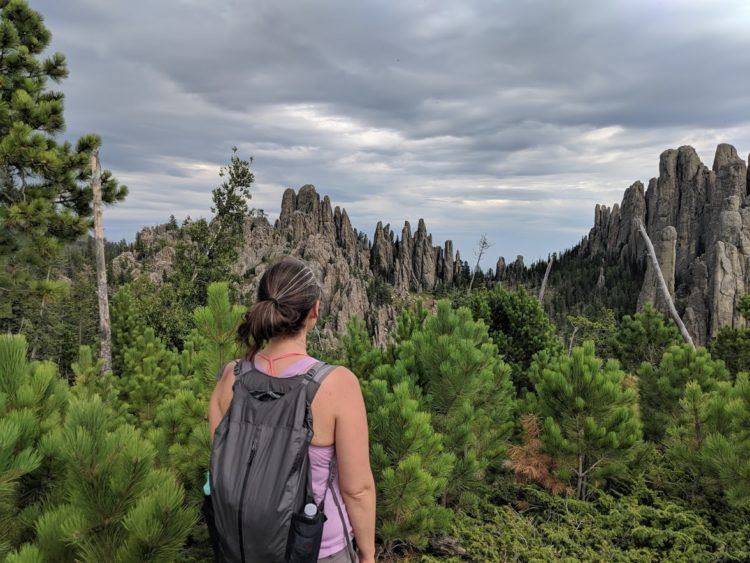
x,y
510,118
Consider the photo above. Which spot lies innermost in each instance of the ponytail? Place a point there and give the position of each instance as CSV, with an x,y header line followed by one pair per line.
x,y
287,292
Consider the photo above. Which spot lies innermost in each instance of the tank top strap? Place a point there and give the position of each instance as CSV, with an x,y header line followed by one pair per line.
x,y
271,360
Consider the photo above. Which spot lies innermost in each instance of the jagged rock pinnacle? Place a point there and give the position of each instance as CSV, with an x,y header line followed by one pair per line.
x,y
699,221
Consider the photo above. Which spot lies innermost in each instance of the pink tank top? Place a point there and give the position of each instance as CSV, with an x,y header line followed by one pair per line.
x,y
320,457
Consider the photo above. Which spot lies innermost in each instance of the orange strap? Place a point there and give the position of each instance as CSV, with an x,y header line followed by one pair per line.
x,y
271,360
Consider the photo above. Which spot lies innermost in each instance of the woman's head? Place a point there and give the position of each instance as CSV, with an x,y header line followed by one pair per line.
x,y
288,291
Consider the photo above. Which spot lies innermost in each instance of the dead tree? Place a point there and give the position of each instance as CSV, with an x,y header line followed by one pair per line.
x,y
572,339
663,284
544,279
105,331
482,247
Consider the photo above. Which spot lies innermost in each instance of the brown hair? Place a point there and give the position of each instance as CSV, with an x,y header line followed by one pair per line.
x,y
287,292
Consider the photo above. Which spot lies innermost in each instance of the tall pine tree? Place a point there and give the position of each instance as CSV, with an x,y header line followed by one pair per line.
x,y
46,199
208,251
468,388
708,443
644,337
518,325
589,414
661,387
409,462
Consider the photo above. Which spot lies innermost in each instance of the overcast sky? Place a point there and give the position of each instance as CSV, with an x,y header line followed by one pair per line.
x,y
507,118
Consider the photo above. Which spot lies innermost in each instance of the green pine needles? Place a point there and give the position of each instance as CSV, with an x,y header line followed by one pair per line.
x,y
112,467
76,479
45,197
590,417
663,386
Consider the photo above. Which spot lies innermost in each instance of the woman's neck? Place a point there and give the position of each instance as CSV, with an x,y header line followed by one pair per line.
x,y
287,344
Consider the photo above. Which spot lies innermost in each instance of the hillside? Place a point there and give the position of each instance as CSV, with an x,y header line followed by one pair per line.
x,y
353,270
698,218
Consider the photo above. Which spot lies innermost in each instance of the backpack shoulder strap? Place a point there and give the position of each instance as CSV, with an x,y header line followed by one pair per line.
x,y
319,371
220,372
244,370
316,375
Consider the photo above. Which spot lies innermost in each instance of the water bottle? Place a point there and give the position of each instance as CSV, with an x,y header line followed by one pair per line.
x,y
310,510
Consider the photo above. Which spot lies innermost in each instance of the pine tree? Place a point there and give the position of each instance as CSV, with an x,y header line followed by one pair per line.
x,y
179,430
151,373
708,443
108,502
140,303
230,206
357,351
410,465
518,325
409,320
662,387
127,324
601,329
644,337
180,436
685,440
733,346
467,387
208,250
589,414
88,377
32,402
530,463
215,333
45,197
180,426
727,447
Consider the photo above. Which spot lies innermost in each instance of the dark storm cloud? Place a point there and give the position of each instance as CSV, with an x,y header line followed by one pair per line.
x,y
510,118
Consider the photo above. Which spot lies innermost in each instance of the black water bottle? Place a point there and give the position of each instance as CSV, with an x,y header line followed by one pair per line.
x,y
305,535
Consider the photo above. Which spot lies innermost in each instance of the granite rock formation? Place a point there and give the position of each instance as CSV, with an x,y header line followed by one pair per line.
x,y
699,221
153,255
512,273
410,263
697,217
344,260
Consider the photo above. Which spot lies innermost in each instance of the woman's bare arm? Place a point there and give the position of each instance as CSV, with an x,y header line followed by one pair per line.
x,y
353,459
220,398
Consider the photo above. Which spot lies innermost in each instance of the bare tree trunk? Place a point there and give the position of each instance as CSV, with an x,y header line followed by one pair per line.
x,y
663,284
482,246
544,280
32,355
580,480
572,340
471,281
101,268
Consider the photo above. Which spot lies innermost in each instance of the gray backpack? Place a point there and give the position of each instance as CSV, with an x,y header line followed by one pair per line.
x,y
259,473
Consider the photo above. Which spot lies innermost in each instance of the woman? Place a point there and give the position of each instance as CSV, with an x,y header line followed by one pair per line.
x,y
275,330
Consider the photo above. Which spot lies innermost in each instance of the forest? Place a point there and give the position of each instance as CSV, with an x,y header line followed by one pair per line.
x,y
502,427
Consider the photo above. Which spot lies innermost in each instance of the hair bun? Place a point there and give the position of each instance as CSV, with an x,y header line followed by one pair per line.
x,y
287,292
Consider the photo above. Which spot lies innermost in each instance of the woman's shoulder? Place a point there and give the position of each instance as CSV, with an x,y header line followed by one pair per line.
x,y
227,369
341,379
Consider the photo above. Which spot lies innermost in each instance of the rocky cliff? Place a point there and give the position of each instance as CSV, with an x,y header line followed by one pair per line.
x,y
344,260
697,217
409,263
699,221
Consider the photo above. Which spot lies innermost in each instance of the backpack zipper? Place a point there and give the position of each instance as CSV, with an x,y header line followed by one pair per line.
x,y
242,500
